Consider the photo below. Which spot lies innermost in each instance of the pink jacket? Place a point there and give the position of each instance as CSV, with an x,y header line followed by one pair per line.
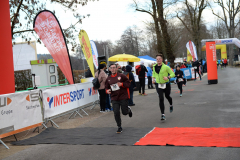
x,y
101,78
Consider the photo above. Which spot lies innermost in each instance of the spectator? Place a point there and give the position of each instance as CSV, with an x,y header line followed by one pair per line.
x,y
141,78
131,78
182,66
102,76
149,76
88,73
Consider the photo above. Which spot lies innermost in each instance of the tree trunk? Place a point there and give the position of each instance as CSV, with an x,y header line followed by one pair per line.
x,y
157,28
166,37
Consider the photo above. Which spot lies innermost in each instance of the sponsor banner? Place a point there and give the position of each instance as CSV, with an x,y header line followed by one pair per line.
x,y
19,112
193,73
50,32
86,48
94,54
65,98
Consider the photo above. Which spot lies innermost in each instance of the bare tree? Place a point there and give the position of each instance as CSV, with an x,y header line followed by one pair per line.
x,y
194,12
230,9
23,12
157,9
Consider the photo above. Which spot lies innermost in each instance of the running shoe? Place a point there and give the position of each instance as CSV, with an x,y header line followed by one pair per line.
x,y
129,112
132,104
200,79
163,118
140,93
180,95
144,94
119,130
171,109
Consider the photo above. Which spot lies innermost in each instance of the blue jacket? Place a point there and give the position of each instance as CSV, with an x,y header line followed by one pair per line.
x,y
149,73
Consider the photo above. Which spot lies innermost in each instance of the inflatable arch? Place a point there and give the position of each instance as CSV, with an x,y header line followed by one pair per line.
x,y
223,49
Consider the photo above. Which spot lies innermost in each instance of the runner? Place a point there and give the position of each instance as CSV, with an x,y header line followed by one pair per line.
x,y
196,65
179,80
222,63
225,62
161,80
118,86
219,62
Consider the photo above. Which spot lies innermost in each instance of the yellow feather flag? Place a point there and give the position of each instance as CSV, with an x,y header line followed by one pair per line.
x,y
86,48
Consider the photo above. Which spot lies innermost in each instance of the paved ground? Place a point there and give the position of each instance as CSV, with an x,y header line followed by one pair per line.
x,y
202,105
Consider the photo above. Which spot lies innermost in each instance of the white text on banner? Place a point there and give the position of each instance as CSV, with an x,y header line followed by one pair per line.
x,y
65,98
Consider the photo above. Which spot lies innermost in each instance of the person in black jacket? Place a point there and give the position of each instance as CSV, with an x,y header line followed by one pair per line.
x,y
141,78
88,73
131,78
179,80
196,65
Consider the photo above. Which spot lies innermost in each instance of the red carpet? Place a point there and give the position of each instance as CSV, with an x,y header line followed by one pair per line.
x,y
196,137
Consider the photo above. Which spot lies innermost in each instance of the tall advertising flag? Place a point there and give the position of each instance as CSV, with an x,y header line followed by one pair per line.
x,y
86,48
50,32
192,49
94,54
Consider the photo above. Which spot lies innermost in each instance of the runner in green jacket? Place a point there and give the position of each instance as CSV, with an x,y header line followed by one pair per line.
x,y
161,75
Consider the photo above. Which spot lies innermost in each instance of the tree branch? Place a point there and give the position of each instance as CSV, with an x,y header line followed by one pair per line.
x,y
28,30
15,16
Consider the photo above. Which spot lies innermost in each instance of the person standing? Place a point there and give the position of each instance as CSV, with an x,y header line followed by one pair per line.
x,y
161,75
102,76
131,78
196,65
149,76
118,86
108,106
179,80
141,78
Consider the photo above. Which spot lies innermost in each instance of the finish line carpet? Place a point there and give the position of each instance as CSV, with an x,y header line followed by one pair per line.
x,y
196,137
86,136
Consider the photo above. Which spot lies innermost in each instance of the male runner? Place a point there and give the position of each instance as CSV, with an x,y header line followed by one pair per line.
x,y
118,86
196,65
161,78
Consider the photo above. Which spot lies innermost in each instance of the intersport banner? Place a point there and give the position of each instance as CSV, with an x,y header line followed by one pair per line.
x,y
61,99
19,112
192,49
94,54
50,32
86,48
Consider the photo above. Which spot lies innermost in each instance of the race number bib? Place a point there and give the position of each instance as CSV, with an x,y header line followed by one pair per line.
x,y
115,87
162,86
180,79
195,67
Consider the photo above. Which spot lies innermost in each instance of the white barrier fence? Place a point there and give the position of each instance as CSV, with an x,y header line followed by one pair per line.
x,y
62,99
19,112
22,111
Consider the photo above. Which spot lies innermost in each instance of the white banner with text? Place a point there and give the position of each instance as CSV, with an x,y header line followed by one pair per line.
x,y
19,112
65,98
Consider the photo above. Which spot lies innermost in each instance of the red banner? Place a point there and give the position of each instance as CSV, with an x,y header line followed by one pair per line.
x,y
49,30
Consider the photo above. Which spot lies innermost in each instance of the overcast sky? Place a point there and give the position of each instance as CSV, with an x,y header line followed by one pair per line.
x,y
108,19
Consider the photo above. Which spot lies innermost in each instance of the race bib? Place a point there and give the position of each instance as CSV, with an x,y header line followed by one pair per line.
x,y
162,86
180,79
115,87
195,67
